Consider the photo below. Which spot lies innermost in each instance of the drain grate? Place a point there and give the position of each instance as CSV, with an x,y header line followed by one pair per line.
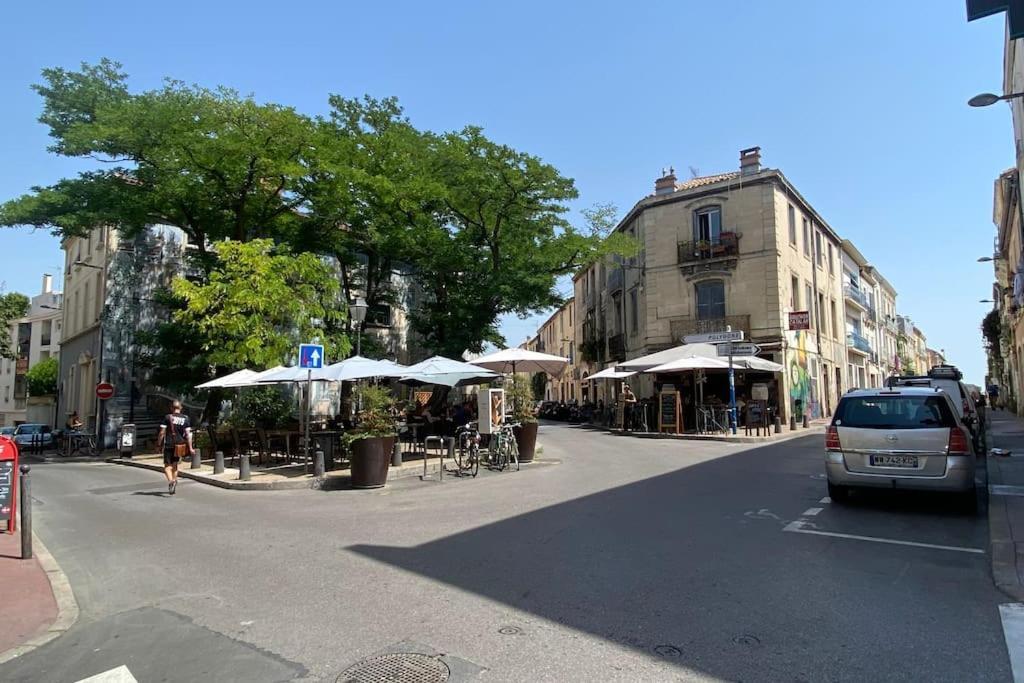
x,y
402,667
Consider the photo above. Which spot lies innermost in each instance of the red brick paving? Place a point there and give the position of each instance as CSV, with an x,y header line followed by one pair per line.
x,y
26,600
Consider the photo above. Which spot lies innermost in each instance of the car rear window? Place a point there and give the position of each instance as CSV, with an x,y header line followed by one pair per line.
x,y
29,429
894,412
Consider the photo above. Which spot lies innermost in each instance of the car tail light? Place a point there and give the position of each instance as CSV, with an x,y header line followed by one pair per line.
x,y
958,442
832,439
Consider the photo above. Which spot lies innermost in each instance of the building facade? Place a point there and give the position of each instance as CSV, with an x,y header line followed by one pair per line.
x,y
741,250
557,336
35,337
870,317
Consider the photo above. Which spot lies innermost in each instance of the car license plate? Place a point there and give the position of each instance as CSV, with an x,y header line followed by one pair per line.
x,y
894,460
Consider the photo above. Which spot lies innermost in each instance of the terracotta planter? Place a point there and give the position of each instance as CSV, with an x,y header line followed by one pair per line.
x,y
526,440
369,463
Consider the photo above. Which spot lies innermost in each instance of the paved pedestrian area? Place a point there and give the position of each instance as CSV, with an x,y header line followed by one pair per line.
x,y
27,605
633,560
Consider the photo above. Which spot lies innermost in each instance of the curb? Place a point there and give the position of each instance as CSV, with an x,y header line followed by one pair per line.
x,y
1003,548
67,606
226,484
722,438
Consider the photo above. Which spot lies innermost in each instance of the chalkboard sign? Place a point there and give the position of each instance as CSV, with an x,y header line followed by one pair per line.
x,y
668,411
755,413
6,489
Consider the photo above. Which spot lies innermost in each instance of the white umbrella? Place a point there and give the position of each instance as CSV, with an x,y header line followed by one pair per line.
x,y
237,378
755,363
611,373
358,367
446,372
668,355
692,363
521,360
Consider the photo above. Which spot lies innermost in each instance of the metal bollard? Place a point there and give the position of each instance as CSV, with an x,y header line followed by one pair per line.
x,y
807,422
26,513
244,471
396,454
792,423
778,425
218,462
197,459
318,463
449,443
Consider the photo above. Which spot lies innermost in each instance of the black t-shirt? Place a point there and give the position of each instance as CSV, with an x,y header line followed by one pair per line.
x,y
176,427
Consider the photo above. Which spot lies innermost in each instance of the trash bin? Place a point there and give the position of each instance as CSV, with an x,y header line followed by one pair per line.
x,y
126,440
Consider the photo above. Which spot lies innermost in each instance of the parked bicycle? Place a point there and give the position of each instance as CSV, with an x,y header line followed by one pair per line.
x,y
503,449
467,450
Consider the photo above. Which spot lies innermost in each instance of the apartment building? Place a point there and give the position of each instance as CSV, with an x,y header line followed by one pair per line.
x,y
870,317
741,249
557,336
35,337
1006,355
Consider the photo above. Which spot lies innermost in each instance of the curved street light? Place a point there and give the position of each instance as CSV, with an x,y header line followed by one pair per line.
x,y
986,301
987,99
985,259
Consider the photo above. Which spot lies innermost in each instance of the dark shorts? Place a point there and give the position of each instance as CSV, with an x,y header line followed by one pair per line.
x,y
170,458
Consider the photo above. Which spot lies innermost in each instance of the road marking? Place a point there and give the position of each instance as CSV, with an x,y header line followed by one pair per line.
x,y
119,675
826,500
1005,490
1012,615
799,528
812,511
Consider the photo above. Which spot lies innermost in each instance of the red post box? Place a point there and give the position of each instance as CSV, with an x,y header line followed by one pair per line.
x,y
8,482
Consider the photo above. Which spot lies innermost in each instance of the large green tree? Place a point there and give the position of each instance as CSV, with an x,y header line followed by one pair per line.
x,y
42,377
13,305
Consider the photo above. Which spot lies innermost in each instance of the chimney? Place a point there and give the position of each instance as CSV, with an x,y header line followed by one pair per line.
x,y
47,283
750,160
666,184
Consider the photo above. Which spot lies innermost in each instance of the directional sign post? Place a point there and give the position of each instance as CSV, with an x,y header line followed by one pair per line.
x,y
738,349
311,357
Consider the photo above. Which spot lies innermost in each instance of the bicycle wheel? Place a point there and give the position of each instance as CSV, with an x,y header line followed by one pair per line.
x,y
513,449
474,458
92,448
501,454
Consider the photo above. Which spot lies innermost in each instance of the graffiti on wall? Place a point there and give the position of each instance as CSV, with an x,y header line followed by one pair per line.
x,y
801,367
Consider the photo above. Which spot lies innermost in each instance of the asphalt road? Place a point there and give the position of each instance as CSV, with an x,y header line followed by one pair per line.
x,y
627,559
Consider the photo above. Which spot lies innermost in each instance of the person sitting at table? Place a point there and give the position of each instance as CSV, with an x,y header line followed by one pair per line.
x,y
459,416
74,422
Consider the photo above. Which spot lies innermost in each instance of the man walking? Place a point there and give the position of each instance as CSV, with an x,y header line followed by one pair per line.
x,y
176,438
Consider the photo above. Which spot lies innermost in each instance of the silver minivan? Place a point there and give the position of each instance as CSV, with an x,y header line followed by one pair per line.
x,y
899,438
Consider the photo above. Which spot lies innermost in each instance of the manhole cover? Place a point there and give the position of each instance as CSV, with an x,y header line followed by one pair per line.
x,y
510,630
746,639
667,651
403,667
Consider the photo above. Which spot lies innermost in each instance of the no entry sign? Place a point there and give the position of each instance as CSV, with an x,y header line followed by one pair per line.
x,y
104,390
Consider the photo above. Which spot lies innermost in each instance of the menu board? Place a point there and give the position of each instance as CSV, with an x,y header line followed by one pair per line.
x,y
755,413
6,489
668,411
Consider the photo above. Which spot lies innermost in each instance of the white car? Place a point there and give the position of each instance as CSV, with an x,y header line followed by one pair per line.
x,y
948,379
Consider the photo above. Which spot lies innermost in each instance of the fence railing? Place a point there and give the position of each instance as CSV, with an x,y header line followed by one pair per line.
x,y
728,244
859,342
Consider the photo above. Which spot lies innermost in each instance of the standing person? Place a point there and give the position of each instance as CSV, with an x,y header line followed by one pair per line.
x,y
629,412
176,437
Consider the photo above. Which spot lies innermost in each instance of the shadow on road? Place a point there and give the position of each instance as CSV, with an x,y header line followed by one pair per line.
x,y
672,567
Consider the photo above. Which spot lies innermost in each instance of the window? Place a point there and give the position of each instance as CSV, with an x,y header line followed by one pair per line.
x,y
817,312
835,321
634,318
707,224
710,300
817,249
632,234
807,238
897,412
809,302
831,261
618,312
794,293
46,336
792,225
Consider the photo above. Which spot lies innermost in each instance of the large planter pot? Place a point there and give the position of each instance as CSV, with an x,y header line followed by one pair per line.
x,y
369,463
526,440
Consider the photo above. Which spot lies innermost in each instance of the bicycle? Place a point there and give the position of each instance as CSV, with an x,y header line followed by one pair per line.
x,y
467,452
504,450
84,443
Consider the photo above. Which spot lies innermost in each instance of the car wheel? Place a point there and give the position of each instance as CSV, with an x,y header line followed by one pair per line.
x,y
838,494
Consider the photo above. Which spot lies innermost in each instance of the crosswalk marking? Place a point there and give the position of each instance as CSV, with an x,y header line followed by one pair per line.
x,y
119,675
1012,615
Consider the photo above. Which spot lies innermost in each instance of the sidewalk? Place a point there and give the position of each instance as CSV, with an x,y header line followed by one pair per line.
x,y
1006,502
816,427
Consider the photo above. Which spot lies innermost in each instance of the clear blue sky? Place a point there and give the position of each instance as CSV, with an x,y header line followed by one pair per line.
x,y
861,104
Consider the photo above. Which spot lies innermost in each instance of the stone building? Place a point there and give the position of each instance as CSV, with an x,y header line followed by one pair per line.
x,y
557,336
870,316
34,337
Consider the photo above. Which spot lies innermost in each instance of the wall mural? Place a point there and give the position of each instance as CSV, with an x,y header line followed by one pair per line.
x,y
804,395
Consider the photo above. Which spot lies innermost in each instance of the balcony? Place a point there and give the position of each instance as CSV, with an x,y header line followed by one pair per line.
x,y
725,249
859,344
617,347
615,277
687,326
856,297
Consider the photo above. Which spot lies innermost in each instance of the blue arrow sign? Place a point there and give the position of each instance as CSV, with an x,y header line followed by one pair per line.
x,y
311,356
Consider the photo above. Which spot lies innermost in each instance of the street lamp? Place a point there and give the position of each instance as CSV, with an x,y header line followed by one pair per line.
x,y
358,312
987,99
986,259
87,265
986,301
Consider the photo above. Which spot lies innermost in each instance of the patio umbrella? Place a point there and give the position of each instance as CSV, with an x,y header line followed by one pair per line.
x,y
755,363
521,360
446,372
692,363
358,367
611,373
234,379
645,363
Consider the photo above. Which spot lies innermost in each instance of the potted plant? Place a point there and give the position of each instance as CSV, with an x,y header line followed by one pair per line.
x,y
372,439
519,394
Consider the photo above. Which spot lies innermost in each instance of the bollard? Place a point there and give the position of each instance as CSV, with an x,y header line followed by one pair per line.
x,y
792,423
807,422
449,443
26,513
218,462
197,459
778,425
244,471
318,463
396,454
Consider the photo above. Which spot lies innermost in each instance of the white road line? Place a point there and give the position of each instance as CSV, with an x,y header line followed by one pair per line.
x,y
1012,615
798,527
826,500
1005,490
812,511
119,675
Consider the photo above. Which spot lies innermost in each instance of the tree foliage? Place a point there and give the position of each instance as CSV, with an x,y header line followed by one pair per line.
x,y
13,305
266,407
42,377
538,383
259,303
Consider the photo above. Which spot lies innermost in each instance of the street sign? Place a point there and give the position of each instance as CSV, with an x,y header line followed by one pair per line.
x,y
713,337
104,391
739,349
800,320
311,356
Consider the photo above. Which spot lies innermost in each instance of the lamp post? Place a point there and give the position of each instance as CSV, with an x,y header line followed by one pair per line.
x,y
986,301
987,99
358,312
985,259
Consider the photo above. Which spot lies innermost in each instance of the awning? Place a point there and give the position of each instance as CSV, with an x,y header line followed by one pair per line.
x,y
611,373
